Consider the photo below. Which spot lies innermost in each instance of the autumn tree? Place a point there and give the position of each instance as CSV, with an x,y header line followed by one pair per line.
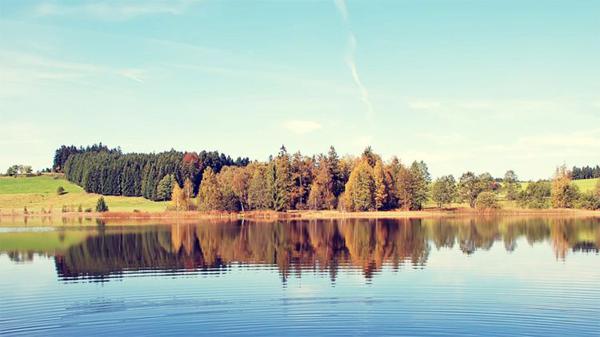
x,y
209,195
360,188
511,185
564,193
443,190
381,189
302,178
321,191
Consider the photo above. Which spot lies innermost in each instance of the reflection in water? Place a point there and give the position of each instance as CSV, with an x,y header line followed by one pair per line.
x,y
297,246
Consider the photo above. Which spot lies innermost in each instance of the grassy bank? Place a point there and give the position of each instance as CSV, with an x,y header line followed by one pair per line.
x,y
39,193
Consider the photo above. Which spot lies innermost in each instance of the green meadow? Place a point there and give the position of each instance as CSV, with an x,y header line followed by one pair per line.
x,y
39,193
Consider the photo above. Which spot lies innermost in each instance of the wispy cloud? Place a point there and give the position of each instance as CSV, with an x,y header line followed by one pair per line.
x,y
301,127
113,10
351,60
23,67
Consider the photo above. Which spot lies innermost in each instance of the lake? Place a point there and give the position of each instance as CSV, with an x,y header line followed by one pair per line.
x,y
412,277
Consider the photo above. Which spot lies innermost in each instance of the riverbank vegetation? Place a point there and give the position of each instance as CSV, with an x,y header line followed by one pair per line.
x,y
210,181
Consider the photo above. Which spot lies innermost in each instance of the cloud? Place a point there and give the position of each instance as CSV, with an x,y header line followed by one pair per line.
x,y
16,67
113,10
133,74
351,61
301,127
342,8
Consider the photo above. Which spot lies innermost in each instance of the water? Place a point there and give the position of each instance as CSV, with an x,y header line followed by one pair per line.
x,y
442,277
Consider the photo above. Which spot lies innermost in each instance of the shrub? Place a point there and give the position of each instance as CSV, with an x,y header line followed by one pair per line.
x,y
487,200
101,205
589,201
60,190
88,210
536,195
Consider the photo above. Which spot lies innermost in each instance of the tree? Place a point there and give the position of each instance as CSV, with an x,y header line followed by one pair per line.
x,y
302,178
101,205
12,171
469,187
487,200
259,188
564,193
282,182
177,199
421,180
360,188
536,195
511,185
335,171
210,196
443,190
321,194
405,188
60,190
381,190
165,187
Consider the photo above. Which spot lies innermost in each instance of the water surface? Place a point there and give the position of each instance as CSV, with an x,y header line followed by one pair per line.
x,y
433,277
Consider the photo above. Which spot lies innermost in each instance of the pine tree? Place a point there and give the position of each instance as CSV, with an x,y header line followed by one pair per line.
x,y
101,205
282,182
165,187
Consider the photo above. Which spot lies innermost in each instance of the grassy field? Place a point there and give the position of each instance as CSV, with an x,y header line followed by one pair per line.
x,y
37,193
585,185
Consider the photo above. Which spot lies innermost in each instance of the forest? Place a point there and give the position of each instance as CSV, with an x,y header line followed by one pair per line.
x,y
209,181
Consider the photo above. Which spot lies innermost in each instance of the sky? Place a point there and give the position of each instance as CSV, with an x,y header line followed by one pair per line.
x,y
484,86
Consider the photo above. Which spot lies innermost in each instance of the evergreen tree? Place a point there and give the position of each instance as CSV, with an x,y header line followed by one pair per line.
x,y
282,182
165,187
101,205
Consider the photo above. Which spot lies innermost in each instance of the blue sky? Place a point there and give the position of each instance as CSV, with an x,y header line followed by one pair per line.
x,y
463,85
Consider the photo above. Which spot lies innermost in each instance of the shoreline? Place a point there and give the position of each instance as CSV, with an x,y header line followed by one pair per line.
x,y
303,215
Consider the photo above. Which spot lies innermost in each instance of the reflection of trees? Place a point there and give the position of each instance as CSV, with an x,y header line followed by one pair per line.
x,y
322,246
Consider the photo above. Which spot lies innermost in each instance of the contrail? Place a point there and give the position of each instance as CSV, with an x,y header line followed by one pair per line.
x,y
350,59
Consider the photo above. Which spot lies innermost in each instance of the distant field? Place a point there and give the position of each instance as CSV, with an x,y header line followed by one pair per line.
x,y
37,193
585,185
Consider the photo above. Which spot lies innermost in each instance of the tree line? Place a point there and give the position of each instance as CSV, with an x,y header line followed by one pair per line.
x,y
210,181
101,170
585,172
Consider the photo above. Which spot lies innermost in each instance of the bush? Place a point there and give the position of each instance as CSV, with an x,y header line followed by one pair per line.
x,y
101,205
536,195
88,210
589,201
60,190
487,200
